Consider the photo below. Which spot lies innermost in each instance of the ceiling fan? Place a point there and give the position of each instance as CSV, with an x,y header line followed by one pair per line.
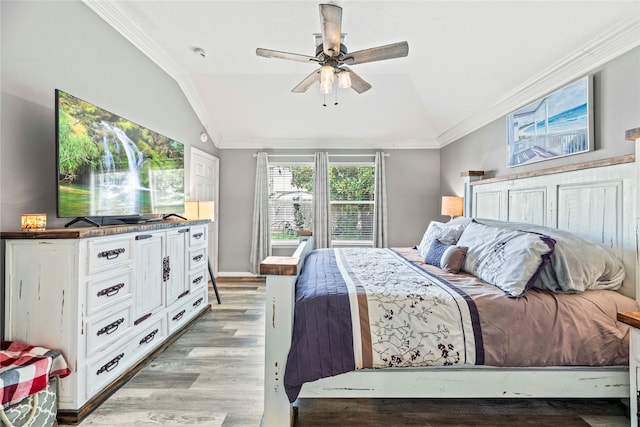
x,y
334,58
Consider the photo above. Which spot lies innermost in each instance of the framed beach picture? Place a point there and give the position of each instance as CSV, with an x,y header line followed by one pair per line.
x,y
559,124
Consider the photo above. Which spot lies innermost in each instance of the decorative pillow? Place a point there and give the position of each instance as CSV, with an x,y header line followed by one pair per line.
x,y
446,233
448,257
508,259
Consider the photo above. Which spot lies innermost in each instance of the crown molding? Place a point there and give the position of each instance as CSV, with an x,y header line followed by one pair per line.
x,y
265,144
118,18
607,46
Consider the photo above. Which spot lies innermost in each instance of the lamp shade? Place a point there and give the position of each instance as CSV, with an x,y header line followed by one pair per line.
x,y
203,209
344,80
452,205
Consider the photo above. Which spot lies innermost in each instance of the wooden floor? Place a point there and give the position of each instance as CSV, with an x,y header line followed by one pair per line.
x,y
213,376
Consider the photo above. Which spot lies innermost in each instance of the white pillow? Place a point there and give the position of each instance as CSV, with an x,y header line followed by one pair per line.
x,y
508,259
446,233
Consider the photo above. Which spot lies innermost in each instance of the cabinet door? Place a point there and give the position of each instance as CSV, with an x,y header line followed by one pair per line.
x,y
148,255
176,280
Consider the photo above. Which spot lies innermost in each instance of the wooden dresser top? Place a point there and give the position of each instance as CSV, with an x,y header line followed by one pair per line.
x,y
105,230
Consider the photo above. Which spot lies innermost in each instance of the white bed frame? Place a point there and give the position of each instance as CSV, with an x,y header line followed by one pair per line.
x,y
594,200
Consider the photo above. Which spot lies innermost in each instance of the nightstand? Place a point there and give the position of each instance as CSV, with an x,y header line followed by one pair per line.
x,y
632,318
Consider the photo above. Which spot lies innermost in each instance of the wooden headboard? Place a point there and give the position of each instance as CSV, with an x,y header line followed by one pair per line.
x,y
595,200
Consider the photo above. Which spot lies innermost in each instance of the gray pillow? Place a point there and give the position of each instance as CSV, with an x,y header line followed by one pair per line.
x,y
508,259
576,264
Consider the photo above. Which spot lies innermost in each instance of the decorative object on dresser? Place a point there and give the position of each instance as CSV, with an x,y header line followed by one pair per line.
x,y
33,222
109,298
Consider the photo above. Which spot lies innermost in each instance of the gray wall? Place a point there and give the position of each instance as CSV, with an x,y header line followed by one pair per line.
x,y
616,98
47,45
413,191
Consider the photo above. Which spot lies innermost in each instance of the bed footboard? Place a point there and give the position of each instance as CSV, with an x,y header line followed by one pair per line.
x,y
281,274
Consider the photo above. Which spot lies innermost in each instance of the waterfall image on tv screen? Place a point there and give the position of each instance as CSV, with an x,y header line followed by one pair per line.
x,y
110,166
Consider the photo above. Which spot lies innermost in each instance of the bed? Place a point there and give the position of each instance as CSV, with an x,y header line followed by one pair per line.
x,y
589,203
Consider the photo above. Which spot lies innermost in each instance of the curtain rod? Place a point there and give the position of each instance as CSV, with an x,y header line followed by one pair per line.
x,y
330,155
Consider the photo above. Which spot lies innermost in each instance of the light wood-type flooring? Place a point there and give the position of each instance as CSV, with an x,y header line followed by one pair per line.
x,y
213,376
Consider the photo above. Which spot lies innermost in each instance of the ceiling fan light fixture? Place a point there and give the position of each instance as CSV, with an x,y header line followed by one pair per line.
x,y
326,87
344,79
326,73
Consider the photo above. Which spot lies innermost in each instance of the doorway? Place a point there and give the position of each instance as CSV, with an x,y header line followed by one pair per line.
x,y
205,174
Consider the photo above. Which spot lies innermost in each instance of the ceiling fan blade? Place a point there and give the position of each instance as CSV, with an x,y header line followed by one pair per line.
x,y
357,83
380,53
308,81
268,53
331,22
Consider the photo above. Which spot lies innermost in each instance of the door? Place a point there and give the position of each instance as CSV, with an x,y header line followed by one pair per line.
x,y
148,255
205,170
176,273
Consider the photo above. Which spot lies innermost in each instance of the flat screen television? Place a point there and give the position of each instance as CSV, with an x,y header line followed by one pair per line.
x,y
109,166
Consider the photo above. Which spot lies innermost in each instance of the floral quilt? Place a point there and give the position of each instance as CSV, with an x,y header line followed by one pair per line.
x,y
372,308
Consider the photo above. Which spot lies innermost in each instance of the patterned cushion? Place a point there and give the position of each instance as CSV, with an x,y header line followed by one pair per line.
x,y
508,259
446,233
450,258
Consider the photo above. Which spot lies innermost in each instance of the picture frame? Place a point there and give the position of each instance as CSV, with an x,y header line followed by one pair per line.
x,y
556,125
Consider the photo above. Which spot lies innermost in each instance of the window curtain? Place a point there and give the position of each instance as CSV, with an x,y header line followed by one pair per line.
x,y
261,234
380,233
321,207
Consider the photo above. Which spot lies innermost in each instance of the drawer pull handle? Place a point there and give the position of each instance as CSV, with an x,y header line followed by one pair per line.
x,y
184,230
143,236
111,253
149,338
142,319
197,280
179,315
109,366
111,327
166,269
111,290
197,258
197,236
197,303
185,293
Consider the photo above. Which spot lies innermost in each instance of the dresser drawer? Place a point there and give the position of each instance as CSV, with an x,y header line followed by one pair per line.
x,y
176,317
105,254
106,368
198,278
197,258
107,329
108,290
197,235
150,336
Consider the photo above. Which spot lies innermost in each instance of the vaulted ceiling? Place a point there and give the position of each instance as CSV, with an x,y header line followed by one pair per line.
x,y
469,63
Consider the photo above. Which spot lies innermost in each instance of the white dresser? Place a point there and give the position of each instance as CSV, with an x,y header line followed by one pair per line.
x,y
107,297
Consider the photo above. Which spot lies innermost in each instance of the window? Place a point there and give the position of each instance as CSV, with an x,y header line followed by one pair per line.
x,y
351,191
290,200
